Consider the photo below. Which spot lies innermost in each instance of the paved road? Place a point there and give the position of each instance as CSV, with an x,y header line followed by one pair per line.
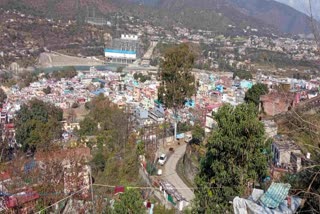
x,y
149,52
170,173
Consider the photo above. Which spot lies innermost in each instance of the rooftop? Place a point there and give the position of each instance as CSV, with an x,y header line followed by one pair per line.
x,y
171,190
283,143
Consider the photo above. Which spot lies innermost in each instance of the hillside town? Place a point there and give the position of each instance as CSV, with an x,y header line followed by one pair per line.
x,y
80,139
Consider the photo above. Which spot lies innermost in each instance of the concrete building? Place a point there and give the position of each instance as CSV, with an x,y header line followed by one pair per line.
x,y
141,116
171,194
124,50
282,150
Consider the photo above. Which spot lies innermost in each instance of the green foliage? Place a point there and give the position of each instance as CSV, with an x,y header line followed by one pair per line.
x,y
38,124
277,59
26,78
47,90
242,74
87,105
112,120
88,126
234,157
151,169
67,72
177,81
254,93
115,152
129,202
99,161
159,209
184,127
141,77
198,132
141,148
161,47
3,96
7,79
120,69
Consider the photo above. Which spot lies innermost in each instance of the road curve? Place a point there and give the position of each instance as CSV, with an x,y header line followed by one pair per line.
x,y
170,173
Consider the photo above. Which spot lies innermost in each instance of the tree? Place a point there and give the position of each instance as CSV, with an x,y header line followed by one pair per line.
x,y
47,90
314,26
142,78
3,96
177,82
38,124
254,93
141,148
26,78
235,157
88,126
120,69
198,132
242,74
130,202
67,72
99,161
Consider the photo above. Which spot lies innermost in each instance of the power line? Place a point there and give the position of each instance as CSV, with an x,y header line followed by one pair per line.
x,y
63,199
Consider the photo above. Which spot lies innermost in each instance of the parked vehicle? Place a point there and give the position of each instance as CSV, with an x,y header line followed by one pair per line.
x,y
162,159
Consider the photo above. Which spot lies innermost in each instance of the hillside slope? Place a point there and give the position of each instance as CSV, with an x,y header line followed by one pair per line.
x,y
303,6
58,8
253,12
262,14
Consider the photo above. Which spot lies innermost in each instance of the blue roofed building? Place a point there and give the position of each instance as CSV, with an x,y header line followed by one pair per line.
x,y
99,91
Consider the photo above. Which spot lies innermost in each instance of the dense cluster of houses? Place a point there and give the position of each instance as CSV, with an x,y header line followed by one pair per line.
x,y
140,98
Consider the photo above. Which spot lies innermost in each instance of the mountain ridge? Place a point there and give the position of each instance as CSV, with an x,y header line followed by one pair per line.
x,y
303,6
270,12
260,14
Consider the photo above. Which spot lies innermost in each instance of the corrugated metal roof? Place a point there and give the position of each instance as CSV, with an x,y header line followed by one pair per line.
x,y
275,195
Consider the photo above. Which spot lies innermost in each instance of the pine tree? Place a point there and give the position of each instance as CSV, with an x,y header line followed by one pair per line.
x,y
177,81
235,156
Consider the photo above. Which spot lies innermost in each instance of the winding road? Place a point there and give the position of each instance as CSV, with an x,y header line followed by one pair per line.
x,y
170,173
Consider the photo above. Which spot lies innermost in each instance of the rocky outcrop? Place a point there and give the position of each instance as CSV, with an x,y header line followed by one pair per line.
x,y
191,162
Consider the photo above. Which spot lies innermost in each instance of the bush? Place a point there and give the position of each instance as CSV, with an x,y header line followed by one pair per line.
x,y
242,74
99,162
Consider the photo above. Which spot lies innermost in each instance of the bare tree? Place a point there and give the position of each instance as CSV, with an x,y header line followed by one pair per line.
x,y
314,26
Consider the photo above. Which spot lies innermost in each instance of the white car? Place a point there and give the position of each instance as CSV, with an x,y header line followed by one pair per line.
x,y
162,159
